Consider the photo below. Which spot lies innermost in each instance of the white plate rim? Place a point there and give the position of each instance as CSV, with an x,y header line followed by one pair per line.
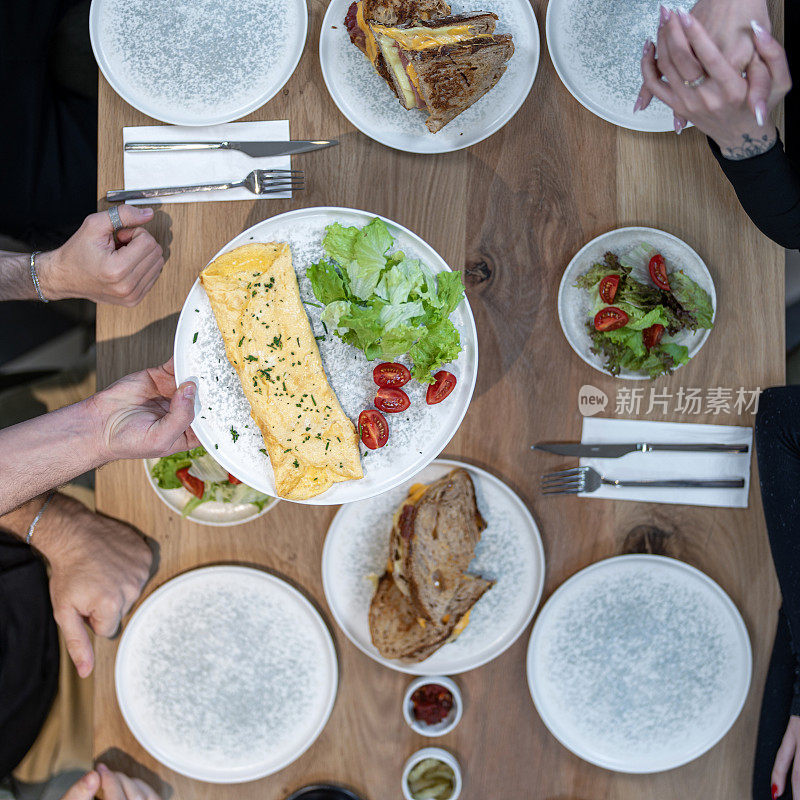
x,y
643,230
171,119
420,149
663,562
419,669
585,101
471,331
160,493
185,577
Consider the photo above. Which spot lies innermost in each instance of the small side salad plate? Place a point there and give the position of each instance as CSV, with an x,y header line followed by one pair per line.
x,y
637,303
194,485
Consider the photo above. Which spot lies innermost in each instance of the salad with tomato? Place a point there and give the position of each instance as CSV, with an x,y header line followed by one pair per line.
x,y
205,480
640,309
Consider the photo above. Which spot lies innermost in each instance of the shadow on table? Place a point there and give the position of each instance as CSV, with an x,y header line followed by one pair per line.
x,y
120,761
149,347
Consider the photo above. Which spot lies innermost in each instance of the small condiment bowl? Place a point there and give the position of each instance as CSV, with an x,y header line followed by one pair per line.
x,y
449,722
439,754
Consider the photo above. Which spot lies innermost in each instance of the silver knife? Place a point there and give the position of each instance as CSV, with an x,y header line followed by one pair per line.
x,y
578,450
252,149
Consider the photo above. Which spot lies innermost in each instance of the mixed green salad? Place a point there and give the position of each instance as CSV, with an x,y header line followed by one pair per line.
x,y
197,472
386,304
638,307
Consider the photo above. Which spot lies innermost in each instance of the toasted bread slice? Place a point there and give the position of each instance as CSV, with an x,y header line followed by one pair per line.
x,y
397,12
398,632
396,43
449,79
433,541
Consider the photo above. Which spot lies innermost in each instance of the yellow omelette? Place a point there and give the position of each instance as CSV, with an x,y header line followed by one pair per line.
x,y
256,301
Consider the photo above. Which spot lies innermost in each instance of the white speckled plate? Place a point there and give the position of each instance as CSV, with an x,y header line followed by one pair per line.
x,y
596,48
510,552
197,62
574,304
416,436
209,513
365,99
639,663
226,674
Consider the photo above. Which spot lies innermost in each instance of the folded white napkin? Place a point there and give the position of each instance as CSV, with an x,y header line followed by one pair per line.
x,y
650,466
146,170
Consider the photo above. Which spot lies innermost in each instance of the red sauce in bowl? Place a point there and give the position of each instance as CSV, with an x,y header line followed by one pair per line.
x,y
432,703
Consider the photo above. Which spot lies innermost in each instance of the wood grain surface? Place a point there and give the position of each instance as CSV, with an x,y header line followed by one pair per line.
x,y
510,211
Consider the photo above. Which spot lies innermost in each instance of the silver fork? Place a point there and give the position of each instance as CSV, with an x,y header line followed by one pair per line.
x,y
259,181
586,479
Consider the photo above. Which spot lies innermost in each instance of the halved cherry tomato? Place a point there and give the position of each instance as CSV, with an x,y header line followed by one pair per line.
x,y
608,288
233,479
610,318
658,272
373,429
443,383
391,375
652,335
391,401
190,482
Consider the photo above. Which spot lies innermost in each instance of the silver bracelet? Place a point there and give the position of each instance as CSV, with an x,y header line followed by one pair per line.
x,y
35,277
38,517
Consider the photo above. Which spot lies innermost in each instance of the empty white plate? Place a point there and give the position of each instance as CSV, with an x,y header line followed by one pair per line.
x,y
197,62
416,436
365,99
639,663
510,552
226,674
596,48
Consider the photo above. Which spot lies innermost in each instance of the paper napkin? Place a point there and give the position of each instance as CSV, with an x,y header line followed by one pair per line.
x,y
145,170
649,466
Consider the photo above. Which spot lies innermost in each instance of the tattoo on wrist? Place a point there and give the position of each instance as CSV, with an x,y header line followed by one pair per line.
x,y
750,146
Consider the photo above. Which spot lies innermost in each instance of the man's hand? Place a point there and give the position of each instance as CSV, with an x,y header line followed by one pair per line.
x,y
98,567
91,264
143,415
115,786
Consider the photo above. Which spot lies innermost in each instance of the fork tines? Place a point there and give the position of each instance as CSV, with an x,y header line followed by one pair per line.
x,y
567,481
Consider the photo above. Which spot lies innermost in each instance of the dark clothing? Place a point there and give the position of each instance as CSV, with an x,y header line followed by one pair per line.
x,y
778,448
48,136
28,651
768,187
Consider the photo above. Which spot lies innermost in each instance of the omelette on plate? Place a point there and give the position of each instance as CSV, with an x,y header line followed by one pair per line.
x,y
256,301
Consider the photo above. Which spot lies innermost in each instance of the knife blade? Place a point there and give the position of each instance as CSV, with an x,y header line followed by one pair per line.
x,y
578,450
252,149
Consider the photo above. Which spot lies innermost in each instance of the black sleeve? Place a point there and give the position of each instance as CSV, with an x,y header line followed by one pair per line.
x,y
768,187
778,448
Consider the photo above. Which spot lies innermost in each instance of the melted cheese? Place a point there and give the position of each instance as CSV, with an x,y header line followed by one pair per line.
x,y
416,491
422,38
459,628
392,57
412,76
372,45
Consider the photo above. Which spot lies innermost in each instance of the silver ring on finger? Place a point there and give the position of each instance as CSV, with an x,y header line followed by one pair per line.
x,y
116,222
697,82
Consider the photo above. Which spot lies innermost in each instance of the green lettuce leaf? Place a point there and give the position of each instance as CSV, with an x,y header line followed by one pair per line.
x,y
333,313
393,315
440,345
165,469
327,282
695,300
339,242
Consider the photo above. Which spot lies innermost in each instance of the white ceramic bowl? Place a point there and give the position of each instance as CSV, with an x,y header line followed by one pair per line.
x,y
449,722
440,755
212,513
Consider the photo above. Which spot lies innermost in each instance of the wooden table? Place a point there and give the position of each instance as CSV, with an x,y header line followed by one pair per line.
x,y
510,212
